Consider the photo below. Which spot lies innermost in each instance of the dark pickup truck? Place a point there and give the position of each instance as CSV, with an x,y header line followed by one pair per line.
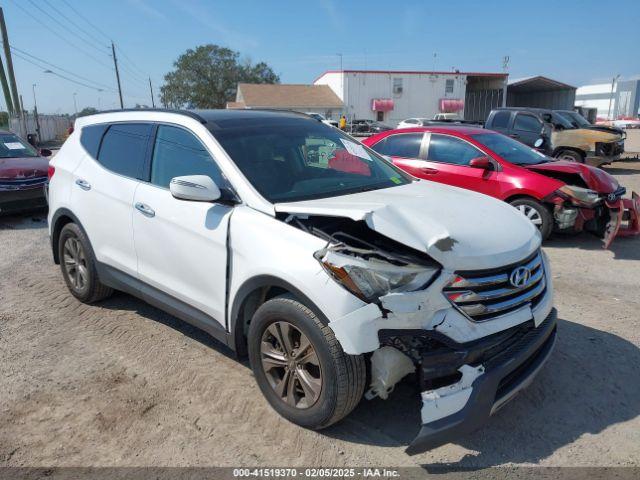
x,y
551,133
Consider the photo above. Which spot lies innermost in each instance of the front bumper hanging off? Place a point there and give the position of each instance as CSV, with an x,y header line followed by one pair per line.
x,y
501,378
623,210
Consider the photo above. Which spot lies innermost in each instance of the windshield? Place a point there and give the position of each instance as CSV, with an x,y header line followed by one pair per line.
x,y
511,150
297,159
11,146
575,118
558,120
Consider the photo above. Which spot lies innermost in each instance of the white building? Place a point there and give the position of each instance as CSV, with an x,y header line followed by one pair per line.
x,y
392,96
613,100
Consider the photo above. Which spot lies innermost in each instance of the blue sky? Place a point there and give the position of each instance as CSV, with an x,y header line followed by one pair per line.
x,y
578,42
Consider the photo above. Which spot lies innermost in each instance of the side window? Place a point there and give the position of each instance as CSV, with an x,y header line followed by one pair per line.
x,y
90,138
411,120
501,119
178,152
405,145
445,149
448,88
527,123
124,147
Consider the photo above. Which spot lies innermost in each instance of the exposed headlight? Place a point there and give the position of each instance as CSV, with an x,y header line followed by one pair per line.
x,y
580,196
370,277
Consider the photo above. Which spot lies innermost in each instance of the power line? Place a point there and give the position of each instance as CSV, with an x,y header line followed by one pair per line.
x,y
58,74
52,19
100,31
18,50
126,57
59,36
87,33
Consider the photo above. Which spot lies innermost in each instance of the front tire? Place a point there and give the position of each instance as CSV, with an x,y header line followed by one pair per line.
x,y
79,265
570,156
537,213
300,366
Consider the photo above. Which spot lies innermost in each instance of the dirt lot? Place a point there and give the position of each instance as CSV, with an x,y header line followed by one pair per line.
x,y
122,383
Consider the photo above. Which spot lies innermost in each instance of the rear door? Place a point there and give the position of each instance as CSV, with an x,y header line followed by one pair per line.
x,y
407,151
104,188
527,128
500,121
181,244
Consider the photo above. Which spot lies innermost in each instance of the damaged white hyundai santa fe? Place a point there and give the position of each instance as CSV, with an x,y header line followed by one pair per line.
x,y
290,242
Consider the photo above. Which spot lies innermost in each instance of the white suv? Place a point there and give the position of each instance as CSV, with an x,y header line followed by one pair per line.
x,y
291,242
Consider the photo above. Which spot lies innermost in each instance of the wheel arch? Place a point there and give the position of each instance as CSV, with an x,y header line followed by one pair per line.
x,y
60,218
579,151
253,293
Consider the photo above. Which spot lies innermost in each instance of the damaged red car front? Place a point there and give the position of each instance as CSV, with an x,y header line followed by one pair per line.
x,y
591,200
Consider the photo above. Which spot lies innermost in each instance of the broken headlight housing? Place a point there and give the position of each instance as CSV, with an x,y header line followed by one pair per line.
x,y
369,275
581,197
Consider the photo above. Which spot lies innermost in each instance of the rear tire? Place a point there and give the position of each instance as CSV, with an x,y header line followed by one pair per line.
x,y
280,328
537,213
78,265
570,156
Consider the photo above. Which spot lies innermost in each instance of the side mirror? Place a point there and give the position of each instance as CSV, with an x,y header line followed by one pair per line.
x,y
45,152
538,143
480,162
200,188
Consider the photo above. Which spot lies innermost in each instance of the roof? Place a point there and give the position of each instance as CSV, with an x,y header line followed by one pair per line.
x,y
287,96
461,130
214,118
537,83
418,72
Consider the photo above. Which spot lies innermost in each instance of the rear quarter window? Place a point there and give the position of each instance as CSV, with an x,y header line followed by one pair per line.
x,y
501,120
90,138
123,148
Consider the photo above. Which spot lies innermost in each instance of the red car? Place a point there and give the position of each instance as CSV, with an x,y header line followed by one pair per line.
x,y
23,175
555,195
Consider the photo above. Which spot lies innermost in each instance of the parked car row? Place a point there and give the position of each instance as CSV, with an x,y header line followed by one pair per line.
x,y
556,195
23,175
337,272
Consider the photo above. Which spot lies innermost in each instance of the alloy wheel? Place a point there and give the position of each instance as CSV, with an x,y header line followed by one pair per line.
x,y
75,263
531,213
291,365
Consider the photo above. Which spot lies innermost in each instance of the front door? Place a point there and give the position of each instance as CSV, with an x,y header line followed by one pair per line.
x,y
181,244
448,157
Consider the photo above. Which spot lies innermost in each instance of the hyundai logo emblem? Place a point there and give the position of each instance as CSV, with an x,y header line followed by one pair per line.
x,y
520,277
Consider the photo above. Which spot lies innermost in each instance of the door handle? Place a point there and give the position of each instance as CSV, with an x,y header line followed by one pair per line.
x,y
83,184
146,210
428,171
514,135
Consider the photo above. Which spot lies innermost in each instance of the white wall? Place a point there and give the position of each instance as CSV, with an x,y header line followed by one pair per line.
x,y
420,96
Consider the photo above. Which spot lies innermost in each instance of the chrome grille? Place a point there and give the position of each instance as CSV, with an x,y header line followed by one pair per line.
x,y
482,295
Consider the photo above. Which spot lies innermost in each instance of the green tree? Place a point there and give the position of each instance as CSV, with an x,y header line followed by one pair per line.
x,y
87,111
207,77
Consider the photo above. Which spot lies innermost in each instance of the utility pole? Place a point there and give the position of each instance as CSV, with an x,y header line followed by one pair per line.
x,y
75,104
7,54
5,89
115,63
153,102
613,83
35,114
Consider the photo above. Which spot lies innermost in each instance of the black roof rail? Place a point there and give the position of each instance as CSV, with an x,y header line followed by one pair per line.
x,y
187,113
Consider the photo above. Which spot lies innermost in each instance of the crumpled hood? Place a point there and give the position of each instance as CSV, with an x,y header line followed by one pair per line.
x,y
461,229
595,178
24,167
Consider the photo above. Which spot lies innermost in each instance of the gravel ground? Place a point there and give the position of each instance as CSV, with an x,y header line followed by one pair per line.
x,y
122,383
